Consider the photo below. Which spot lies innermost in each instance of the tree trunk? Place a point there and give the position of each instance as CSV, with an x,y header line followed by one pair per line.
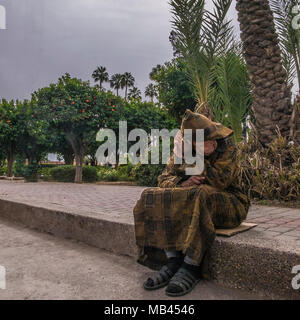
x,y
69,158
10,162
79,164
79,151
272,98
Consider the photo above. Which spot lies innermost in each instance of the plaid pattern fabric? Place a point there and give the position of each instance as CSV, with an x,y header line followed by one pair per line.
x,y
184,218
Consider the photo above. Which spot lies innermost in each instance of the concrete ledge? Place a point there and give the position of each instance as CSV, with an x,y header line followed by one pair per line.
x,y
245,261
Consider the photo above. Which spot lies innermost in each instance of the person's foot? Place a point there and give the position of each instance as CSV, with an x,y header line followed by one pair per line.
x,y
163,277
184,281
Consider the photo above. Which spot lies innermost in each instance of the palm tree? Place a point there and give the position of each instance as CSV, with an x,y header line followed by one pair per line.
x,y
151,91
116,82
199,36
135,94
289,37
285,13
272,97
128,81
100,75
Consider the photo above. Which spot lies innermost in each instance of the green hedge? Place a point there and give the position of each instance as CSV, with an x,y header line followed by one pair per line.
x,y
146,175
3,171
123,173
67,174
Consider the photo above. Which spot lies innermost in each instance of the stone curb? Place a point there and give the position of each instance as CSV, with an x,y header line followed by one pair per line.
x,y
238,262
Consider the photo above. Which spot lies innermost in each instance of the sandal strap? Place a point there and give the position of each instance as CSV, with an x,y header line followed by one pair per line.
x,y
183,279
165,274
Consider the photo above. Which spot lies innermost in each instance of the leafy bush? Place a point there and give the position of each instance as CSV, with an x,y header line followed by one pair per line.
x,y
19,167
271,173
67,174
121,174
31,172
45,173
146,175
3,171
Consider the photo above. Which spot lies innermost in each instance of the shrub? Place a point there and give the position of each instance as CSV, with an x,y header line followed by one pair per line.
x,y
19,168
31,172
271,173
3,171
67,174
147,175
45,173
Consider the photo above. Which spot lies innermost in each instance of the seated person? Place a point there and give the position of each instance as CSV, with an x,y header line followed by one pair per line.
x,y
180,216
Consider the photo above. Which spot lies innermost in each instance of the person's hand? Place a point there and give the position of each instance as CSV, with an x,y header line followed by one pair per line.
x,y
193,181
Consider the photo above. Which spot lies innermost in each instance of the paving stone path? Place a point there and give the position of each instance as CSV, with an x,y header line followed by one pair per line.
x,y
118,201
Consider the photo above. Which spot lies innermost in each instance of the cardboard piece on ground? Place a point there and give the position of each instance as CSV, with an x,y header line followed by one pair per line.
x,y
231,232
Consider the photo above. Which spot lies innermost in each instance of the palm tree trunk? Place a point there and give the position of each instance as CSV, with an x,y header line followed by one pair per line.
x,y
126,92
272,98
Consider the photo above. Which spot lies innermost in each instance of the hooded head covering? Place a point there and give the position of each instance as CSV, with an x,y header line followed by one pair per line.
x,y
212,130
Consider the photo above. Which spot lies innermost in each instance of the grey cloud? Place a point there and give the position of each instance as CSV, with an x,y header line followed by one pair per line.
x,y
46,38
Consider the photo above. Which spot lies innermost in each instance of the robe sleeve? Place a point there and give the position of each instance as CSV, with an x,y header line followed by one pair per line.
x,y
224,170
169,178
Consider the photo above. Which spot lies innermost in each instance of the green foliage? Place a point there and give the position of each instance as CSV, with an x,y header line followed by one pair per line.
x,y
31,171
230,96
289,37
174,89
67,174
122,173
201,36
45,172
20,166
146,175
3,170
151,91
117,82
100,75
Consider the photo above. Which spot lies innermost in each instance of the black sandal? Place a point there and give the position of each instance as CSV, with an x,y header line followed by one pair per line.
x,y
181,283
160,279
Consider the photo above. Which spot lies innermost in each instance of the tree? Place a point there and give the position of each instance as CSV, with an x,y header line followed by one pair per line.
x,y
135,94
36,139
100,75
230,95
289,37
272,97
151,91
76,109
116,82
128,82
199,36
174,89
12,123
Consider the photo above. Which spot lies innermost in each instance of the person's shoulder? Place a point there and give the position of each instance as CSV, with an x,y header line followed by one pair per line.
x,y
226,144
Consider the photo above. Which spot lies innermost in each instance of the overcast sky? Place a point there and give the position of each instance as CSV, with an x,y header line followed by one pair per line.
x,y
46,38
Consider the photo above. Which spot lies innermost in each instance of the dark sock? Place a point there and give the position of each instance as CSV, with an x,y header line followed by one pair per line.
x,y
174,263
194,270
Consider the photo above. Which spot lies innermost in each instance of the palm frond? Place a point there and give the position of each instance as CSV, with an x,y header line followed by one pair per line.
x,y
289,37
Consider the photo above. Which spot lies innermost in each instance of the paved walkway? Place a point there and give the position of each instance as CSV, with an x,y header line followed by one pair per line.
x,y
40,266
117,202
